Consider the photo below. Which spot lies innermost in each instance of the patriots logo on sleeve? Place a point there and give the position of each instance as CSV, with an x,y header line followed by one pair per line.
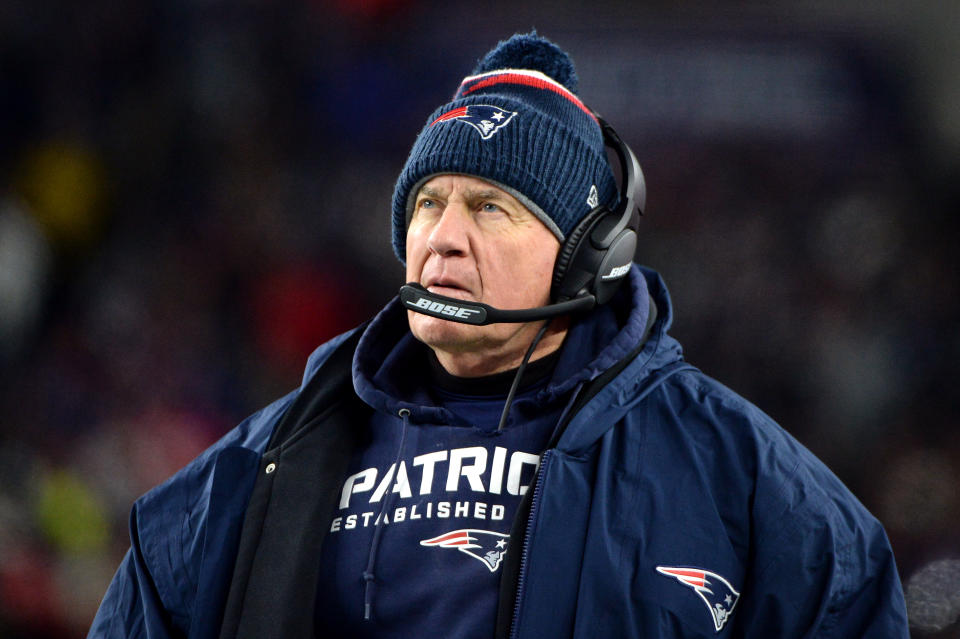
x,y
715,591
483,545
486,119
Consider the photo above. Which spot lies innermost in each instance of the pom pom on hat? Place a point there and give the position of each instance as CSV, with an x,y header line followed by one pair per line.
x,y
530,51
515,122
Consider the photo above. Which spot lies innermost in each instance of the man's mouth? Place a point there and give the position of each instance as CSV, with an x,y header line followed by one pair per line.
x,y
447,287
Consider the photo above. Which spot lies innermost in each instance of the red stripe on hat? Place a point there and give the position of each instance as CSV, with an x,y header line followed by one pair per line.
x,y
449,115
516,78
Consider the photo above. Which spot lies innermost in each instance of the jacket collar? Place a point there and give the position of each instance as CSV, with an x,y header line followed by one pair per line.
x,y
659,358
387,365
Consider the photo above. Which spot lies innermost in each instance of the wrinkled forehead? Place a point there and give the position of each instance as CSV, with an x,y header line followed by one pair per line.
x,y
432,183
471,188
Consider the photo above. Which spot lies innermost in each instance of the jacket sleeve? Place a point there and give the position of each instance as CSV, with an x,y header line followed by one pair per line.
x,y
869,601
823,567
131,606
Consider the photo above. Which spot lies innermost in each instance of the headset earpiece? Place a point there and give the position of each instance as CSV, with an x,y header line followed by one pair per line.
x,y
596,256
563,285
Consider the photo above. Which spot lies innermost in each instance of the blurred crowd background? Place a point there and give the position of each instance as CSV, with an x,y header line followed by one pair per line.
x,y
195,193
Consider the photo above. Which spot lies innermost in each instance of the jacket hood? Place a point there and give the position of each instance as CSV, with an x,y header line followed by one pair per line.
x,y
390,364
659,357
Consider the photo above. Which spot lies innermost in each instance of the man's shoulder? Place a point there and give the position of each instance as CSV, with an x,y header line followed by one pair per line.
x,y
733,438
678,412
322,353
186,489
708,408
170,522
774,497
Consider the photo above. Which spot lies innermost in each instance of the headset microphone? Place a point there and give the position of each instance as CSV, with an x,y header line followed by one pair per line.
x,y
417,298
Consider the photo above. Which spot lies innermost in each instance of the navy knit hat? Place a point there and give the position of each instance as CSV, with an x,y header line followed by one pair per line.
x,y
515,122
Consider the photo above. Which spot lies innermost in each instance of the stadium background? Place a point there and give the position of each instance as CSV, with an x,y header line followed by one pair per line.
x,y
193,194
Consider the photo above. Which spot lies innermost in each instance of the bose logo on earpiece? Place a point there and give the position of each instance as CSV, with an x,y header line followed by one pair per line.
x,y
617,271
444,309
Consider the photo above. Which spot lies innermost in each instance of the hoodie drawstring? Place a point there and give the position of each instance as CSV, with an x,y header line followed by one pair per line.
x,y
516,378
369,576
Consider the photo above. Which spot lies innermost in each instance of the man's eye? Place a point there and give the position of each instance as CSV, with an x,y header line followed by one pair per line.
x,y
426,204
490,208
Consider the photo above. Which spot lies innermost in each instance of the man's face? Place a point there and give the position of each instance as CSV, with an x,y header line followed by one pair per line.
x,y
473,241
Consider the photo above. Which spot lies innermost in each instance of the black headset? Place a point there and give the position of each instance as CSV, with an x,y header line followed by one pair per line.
x,y
592,262
597,254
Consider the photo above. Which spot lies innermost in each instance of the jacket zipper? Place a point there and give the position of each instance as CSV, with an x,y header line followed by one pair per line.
x,y
537,490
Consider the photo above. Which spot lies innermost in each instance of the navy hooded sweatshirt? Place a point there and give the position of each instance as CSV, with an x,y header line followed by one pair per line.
x,y
426,508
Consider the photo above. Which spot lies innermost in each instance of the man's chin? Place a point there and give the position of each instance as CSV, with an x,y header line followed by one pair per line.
x,y
444,334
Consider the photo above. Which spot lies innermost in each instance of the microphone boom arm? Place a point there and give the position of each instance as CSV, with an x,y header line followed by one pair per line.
x,y
418,299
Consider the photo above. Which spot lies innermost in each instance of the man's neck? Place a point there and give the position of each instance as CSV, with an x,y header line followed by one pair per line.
x,y
496,385
488,362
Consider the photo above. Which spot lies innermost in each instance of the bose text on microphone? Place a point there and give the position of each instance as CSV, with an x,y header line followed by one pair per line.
x,y
418,299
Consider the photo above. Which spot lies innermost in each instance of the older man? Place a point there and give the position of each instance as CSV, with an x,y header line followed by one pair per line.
x,y
514,447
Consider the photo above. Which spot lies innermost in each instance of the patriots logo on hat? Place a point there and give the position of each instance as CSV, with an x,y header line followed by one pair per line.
x,y
486,119
482,545
715,591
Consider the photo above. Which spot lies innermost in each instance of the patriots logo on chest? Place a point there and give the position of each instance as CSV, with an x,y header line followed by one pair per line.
x,y
483,545
715,591
486,119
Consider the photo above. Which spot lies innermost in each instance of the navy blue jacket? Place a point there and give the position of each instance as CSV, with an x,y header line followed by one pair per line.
x,y
668,507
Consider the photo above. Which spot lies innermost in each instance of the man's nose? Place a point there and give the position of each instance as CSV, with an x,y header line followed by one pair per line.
x,y
450,236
